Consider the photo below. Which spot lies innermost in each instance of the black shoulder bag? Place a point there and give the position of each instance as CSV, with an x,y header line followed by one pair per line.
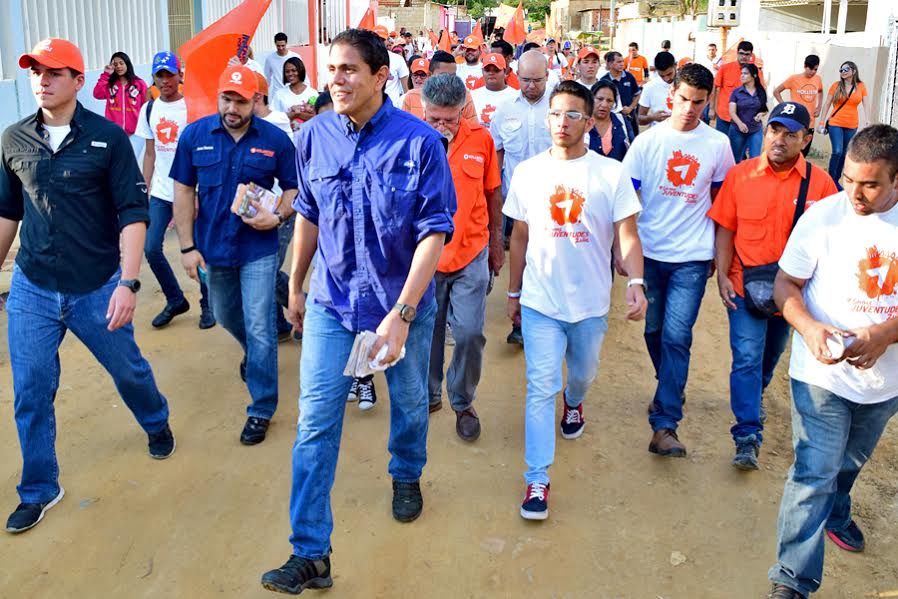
x,y
757,281
836,111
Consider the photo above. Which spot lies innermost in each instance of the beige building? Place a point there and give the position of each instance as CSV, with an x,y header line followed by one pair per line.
x,y
576,16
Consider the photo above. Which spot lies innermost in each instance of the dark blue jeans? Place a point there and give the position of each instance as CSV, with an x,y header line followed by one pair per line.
x,y
722,125
281,290
740,142
757,344
38,321
160,216
674,292
839,138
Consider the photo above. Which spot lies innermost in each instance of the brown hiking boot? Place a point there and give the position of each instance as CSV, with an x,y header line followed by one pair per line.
x,y
666,443
781,591
467,424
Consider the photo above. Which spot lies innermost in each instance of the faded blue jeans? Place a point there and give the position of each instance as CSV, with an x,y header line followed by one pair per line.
x,y
740,142
839,137
833,438
675,292
547,343
326,346
243,302
38,321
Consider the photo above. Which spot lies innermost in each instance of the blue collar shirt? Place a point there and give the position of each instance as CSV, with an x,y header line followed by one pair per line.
x,y
374,194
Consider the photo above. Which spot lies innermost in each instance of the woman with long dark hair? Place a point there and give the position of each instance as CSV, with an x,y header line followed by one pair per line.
x,y
748,104
611,135
123,91
297,99
844,97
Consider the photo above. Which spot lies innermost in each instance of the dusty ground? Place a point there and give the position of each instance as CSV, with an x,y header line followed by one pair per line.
x,y
210,520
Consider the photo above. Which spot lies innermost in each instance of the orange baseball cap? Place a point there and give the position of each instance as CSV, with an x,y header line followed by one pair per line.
x,y
54,53
261,82
420,64
494,59
239,80
472,41
587,51
394,34
382,31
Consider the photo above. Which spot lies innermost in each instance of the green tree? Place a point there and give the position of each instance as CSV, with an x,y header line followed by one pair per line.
x,y
537,9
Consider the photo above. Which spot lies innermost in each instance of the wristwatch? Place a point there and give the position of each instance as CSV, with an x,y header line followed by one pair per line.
x,y
406,313
281,218
132,284
632,282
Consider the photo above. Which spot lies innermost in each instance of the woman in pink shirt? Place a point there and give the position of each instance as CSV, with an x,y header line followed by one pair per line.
x,y
123,91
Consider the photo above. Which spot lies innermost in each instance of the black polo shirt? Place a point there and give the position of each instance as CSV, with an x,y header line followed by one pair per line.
x,y
73,204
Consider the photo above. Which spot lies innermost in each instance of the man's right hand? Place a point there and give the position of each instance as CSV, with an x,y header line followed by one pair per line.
x,y
296,310
711,113
815,336
514,310
191,261
726,290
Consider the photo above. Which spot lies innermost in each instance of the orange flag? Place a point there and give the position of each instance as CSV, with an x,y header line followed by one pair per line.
x,y
434,40
205,56
368,21
444,42
478,32
516,33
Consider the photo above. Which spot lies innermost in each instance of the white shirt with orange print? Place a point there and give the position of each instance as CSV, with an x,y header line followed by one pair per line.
x,y
486,102
469,74
570,207
850,263
167,121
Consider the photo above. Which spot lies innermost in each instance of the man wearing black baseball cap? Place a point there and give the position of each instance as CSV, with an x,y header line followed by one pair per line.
x,y
771,192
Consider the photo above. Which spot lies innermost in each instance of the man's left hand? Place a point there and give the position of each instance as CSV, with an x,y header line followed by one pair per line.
x,y
393,331
264,220
637,304
121,308
869,344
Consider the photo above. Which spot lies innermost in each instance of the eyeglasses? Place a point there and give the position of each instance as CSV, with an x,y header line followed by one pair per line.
x,y
527,81
572,115
845,70
433,122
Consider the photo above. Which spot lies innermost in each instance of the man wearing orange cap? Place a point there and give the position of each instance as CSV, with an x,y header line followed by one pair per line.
x,y
71,178
237,254
587,67
441,62
397,82
495,92
471,70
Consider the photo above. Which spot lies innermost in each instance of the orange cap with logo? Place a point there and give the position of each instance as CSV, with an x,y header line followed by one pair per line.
x,y
420,64
587,51
382,31
54,53
494,59
239,80
261,82
472,41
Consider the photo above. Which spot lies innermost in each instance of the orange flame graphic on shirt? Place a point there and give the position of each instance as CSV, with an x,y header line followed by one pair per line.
x,y
166,131
682,168
566,206
877,274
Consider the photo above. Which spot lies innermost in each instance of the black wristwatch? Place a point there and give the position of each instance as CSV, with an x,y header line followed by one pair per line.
x,y
281,218
406,313
132,284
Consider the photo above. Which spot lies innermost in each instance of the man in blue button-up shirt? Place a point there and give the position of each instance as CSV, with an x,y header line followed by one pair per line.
x,y
376,199
216,154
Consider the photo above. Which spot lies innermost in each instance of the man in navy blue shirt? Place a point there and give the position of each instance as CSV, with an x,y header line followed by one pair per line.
x,y
376,200
628,89
238,254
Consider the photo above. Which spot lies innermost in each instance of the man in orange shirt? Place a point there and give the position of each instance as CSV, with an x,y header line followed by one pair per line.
x,y
441,62
806,88
474,254
728,78
507,51
755,212
636,65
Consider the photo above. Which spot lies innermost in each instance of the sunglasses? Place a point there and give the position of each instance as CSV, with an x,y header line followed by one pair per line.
x,y
845,70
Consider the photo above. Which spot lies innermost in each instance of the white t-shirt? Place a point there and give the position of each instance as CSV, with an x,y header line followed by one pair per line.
x,y
274,71
167,121
285,99
486,102
850,263
570,207
398,70
57,135
469,74
253,65
674,172
655,96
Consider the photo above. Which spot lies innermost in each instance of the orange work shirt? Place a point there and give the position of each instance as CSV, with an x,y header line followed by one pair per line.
x,y
511,81
637,67
758,204
411,103
728,78
475,170
805,90
848,116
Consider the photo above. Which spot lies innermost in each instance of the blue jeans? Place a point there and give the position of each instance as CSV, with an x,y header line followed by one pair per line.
x,y
281,289
839,138
833,439
242,300
706,116
38,321
160,216
548,342
322,402
722,125
740,142
674,292
757,344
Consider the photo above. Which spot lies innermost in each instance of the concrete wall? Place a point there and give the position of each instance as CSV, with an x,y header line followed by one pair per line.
x,y
810,18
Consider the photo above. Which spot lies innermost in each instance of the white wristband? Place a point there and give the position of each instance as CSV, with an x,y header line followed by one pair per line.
x,y
632,282
514,294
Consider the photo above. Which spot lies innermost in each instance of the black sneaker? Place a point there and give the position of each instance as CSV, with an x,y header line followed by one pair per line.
x,y
299,574
254,430
169,312
207,319
243,369
27,515
285,335
572,422
162,444
747,449
536,502
407,501
515,337
850,538
353,394
366,394
781,591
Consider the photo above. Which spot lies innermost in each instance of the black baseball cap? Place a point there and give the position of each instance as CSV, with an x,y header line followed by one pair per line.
x,y
792,115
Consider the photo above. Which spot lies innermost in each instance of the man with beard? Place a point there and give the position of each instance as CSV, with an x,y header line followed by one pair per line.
x,y
471,70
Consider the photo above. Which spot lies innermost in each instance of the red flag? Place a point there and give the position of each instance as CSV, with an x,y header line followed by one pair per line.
x,y
368,22
205,56
444,44
478,32
516,33
434,40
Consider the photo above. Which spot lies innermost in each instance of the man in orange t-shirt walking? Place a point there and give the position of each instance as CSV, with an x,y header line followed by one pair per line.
x,y
728,78
806,88
755,211
473,255
636,65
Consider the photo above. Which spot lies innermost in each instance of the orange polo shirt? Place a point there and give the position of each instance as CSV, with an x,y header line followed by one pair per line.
x,y
728,78
475,170
411,102
759,205
637,67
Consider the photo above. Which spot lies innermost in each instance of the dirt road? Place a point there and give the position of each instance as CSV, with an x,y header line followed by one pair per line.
x,y
210,520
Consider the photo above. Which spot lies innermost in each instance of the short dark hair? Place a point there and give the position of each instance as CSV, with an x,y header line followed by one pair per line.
x,y
572,88
664,60
604,84
666,44
504,47
300,68
634,45
745,46
694,75
280,37
611,56
323,99
877,142
712,45
369,45
529,46
812,61
440,57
